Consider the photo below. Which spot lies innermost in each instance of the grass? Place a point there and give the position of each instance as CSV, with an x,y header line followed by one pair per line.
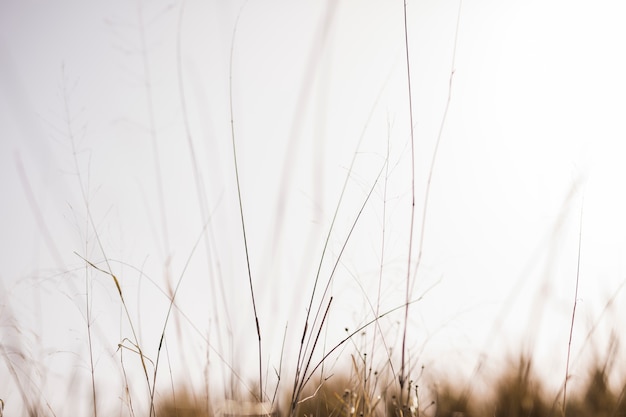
x,y
516,391
367,372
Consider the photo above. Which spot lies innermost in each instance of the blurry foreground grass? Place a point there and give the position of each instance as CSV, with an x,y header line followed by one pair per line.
x,y
515,392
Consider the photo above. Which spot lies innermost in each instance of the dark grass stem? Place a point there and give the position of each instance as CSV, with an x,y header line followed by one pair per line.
x,y
301,373
402,376
571,329
303,382
241,214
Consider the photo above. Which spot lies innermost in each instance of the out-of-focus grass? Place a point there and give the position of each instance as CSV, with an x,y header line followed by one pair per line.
x,y
516,391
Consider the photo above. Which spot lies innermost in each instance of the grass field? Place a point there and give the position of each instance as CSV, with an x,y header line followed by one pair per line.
x,y
306,210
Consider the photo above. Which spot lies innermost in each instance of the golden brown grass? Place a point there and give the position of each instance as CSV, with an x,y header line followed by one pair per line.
x,y
516,391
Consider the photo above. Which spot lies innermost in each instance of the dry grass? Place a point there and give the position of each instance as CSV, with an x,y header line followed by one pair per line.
x,y
359,391
515,392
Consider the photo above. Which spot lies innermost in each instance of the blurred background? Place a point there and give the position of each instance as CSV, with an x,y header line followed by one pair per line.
x,y
117,123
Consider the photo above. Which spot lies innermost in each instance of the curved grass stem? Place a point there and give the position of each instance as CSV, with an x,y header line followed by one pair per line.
x,y
241,214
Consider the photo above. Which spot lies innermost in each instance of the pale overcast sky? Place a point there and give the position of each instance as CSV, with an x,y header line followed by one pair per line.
x,y
102,106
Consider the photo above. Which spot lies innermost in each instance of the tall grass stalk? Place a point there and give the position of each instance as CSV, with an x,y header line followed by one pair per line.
x,y
402,377
241,214
571,330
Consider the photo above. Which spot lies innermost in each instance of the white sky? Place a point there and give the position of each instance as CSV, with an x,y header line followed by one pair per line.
x,y
536,121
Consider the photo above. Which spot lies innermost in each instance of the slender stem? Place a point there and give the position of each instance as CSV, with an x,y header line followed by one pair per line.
x,y
571,330
402,376
241,215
